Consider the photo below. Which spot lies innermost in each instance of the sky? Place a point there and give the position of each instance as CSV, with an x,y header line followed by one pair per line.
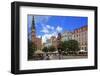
x,y
47,26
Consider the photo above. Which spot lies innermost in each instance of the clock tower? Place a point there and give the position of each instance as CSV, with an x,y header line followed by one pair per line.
x,y
33,30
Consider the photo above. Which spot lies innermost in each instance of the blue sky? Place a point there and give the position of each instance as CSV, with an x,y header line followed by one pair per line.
x,y
47,26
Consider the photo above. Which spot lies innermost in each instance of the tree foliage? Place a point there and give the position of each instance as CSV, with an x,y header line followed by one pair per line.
x,y
52,49
45,49
49,49
70,45
31,49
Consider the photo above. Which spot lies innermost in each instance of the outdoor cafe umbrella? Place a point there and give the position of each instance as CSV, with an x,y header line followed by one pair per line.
x,y
39,52
55,52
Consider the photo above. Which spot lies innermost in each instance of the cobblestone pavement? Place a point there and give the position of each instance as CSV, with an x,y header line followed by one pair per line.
x,y
56,57
67,57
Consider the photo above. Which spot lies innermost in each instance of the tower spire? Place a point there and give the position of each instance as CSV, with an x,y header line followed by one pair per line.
x,y
33,30
33,23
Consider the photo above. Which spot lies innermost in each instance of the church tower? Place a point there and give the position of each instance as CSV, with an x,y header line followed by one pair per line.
x,y
33,30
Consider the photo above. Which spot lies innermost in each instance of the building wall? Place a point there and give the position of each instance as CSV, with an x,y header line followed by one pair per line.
x,y
54,41
39,43
51,42
36,41
48,43
81,35
66,36
33,36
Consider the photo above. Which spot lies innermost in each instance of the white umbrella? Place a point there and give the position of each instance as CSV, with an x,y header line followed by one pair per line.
x,y
82,51
39,52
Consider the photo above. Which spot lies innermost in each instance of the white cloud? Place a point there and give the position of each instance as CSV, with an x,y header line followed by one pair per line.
x,y
45,37
45,30
52,28
48,26
49,31
39,36
59,29
54,34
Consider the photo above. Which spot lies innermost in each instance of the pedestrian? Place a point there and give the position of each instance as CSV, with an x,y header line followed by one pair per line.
x,y
46,57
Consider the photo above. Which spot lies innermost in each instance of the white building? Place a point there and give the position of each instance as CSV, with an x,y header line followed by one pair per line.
x,y
48,43
51,42
66,36
81,35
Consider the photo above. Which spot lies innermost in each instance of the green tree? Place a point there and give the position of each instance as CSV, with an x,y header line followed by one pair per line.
x,y
64,45
70,45
52,49
31,49
45,49
73,45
